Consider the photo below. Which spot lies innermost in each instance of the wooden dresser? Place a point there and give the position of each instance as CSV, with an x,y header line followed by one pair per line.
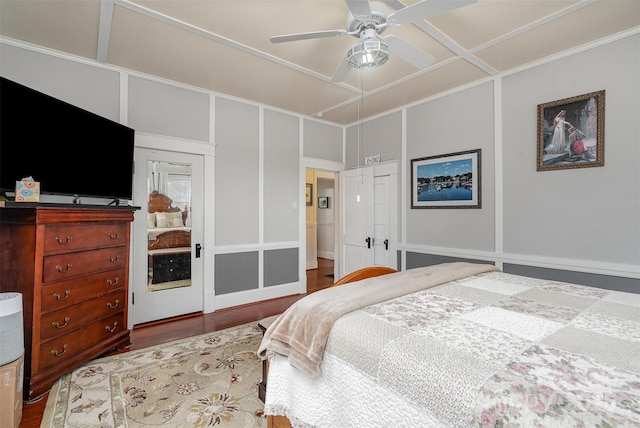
x,y
71,264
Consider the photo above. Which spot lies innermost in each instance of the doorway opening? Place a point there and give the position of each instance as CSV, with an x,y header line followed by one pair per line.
x,y
321,277
320,216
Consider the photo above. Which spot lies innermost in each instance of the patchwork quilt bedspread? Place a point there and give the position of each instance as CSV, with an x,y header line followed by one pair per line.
x,y
488,350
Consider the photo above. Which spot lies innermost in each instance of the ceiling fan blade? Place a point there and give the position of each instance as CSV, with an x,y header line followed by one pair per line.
x,y
424,9
359,8
341,71
305,36
408,52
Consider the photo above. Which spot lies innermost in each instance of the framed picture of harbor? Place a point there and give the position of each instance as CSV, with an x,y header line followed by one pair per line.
x,y
447,181
571,132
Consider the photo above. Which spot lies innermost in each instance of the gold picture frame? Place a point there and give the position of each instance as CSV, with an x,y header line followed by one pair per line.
x,y
571,132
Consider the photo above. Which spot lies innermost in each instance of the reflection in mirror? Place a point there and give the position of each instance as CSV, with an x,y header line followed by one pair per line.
x,y
169,225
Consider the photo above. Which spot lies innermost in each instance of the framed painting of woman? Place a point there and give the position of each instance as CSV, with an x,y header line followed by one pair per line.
x,y
571,132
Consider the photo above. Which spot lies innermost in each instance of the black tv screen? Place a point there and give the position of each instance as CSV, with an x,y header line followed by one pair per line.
x,y
70,151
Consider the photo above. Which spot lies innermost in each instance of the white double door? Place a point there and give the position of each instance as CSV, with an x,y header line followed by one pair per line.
x,y
181,177
368,223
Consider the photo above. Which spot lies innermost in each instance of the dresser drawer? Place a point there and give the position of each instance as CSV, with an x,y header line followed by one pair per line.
x,y
63,348
74,237
60,295
68,319
70,265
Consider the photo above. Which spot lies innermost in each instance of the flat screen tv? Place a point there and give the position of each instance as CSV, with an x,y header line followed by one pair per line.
x,y
70,151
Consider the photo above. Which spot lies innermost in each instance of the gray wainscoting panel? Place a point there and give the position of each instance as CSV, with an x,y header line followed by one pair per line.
x,y
630,285
281,176
382,136
158,108
281,266
91,88
322,141
457,122
237,180
586,213
236,272
416,260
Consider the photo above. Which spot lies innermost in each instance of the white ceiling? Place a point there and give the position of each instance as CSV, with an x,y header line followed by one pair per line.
x,y
224,46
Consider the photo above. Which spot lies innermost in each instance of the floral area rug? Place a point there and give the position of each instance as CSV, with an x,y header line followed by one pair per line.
x,y
209,380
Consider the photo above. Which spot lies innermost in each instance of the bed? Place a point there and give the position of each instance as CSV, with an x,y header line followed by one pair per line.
x,y
455,345
169,244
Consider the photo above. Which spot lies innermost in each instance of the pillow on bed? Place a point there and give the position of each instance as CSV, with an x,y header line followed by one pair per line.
x,y
151,220
169,219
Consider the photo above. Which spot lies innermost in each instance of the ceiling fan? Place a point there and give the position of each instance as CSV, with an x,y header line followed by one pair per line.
x,y
367,21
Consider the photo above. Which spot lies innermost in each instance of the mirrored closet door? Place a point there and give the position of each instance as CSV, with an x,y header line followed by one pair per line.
x,y
171,283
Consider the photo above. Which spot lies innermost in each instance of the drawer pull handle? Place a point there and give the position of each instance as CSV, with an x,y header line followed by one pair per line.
x,y
61,270
61,242
114,282
115,259
56,353
66,294
111,329
56,325
112,236
113,305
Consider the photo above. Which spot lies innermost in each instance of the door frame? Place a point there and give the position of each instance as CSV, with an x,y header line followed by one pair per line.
x,y
320,165
188,147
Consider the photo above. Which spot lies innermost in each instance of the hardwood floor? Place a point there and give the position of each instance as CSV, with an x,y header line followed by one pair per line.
x,y
151,334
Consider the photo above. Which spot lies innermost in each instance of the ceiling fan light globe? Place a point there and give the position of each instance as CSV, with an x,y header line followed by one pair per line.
x,y
368,54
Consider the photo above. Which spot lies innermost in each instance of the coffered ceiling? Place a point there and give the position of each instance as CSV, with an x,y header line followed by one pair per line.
x,y
224,45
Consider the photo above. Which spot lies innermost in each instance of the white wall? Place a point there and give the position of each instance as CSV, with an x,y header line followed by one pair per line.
x,y
237,173
281,176
596,211
95,89
588,216
254,155
158,108
459,122
583,220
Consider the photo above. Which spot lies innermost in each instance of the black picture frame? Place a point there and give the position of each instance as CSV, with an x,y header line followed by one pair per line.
x,y
309,195
451,180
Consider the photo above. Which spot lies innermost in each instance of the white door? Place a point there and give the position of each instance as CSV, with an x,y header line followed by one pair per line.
x,y
168,232
368,217
381,222
356,219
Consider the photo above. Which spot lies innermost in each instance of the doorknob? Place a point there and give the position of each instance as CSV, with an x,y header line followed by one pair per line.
x,y
368,241
198,250
386,244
